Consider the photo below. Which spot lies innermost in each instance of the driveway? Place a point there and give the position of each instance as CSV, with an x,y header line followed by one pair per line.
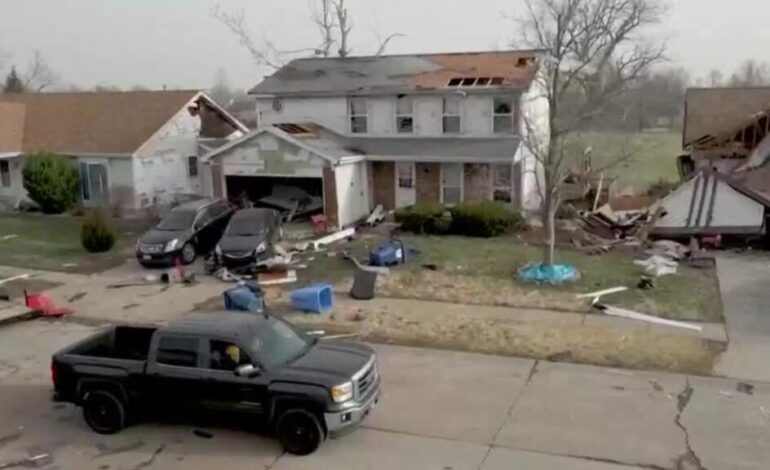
x,y
745,287
441,410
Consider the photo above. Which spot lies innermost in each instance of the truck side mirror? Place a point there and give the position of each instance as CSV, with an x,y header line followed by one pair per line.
x,y
247,370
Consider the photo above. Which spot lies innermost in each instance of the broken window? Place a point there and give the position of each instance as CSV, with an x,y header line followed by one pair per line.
x,y
496,81
404,115
455,81
483,81
451,115
503,110
405,174
192,166
5,174
358,116
469,81
502,182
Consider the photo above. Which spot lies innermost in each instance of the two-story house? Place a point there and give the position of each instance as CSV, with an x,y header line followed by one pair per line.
x,y
391,130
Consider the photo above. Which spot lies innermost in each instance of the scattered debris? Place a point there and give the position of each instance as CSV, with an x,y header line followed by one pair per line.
x,y
203,434
130,306
40,460
334,237
70,265
9,237
246,297
77,297
292,201
342,336
645,283
40,301
656,386
743,387
272,278
597,294
548,274
377,216
14,278
316,298
658,265
430,266
390,253
630,314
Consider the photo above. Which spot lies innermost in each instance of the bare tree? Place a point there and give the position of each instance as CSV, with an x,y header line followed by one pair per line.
x,y
384,42
222,92
591,54
345,26
751,73
39,74
323,16
715,78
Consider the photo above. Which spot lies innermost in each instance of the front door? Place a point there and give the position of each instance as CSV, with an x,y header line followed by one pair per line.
x,y
95,186
406,194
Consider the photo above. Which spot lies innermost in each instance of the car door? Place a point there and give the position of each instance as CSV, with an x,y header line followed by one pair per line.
x,y
202,230
174,373
225,390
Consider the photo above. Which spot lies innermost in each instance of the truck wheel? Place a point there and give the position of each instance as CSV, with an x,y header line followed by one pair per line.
x,y
104,412
299,431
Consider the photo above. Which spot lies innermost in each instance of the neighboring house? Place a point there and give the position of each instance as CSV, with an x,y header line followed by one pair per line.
x,y
133,149
391,130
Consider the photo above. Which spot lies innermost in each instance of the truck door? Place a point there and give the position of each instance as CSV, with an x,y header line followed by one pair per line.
x,y
227,391
174,370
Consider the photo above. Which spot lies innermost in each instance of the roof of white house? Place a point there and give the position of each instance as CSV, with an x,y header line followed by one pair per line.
x,y
387,74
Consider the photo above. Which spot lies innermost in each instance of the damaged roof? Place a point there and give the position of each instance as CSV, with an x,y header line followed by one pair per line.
x,y
110,123
402,74
716,111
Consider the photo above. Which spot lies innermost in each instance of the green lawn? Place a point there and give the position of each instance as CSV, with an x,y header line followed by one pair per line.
x,y
653,156
478,271
51,242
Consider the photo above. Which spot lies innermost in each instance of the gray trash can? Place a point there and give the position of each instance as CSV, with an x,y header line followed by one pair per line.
x,y
364,282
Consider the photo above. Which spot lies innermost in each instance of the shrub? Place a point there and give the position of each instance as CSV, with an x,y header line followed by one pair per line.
x,y
423,218
96,235
484,219
51,181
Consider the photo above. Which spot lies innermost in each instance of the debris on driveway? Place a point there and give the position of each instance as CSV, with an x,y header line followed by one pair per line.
x,y
744,387
597,294
630,314
657,265
272,278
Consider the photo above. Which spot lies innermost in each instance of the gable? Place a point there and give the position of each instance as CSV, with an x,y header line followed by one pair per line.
x,y
267,154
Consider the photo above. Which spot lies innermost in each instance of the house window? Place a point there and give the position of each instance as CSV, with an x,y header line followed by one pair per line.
x,y
5,174
451,115
93,181
451,183
502,183
404,115
192,166
358,116
405,175
503,113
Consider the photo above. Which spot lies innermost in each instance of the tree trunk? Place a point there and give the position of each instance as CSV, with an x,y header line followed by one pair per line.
x,y
549,225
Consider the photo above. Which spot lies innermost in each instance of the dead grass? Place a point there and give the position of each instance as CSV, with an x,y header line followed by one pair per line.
x,y
555,341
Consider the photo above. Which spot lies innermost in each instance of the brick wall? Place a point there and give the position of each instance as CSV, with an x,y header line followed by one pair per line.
x,y
330,197
428,180
477,182
384,184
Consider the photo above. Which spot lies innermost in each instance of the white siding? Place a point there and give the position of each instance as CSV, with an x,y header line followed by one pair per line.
x,y
352,192
16,190
332,112
267,155
535,110
160,166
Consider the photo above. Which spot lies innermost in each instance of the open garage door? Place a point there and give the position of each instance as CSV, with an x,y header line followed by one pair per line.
x,y
278,192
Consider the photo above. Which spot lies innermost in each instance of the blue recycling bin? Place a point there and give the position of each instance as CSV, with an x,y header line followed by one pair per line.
x,y
389,253
317,298
245,298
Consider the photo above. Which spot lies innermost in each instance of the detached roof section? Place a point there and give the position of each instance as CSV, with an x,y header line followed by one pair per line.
x,y
402,74
717,112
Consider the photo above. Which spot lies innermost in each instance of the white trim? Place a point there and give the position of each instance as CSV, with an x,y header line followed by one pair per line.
x,y
9,155
462,180
241,127
460,115
397,116
436,159
513,103
351,115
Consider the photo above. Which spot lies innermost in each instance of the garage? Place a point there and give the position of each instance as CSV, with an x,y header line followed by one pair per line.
x,y
280,169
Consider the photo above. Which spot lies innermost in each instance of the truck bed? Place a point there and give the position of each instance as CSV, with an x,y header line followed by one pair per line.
x,y
121,342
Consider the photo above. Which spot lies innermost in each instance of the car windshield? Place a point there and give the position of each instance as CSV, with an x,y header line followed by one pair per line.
x,y
278,343
246,227
176,220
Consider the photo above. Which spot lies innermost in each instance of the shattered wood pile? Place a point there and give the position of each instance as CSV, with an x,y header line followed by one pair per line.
x,y
622,221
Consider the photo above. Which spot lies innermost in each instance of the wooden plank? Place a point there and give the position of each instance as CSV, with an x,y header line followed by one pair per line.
x,y
696,185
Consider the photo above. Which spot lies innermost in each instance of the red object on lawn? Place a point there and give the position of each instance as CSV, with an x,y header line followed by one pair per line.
x,y
319,223
41,302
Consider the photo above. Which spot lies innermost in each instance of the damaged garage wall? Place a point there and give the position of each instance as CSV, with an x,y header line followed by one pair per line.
x,y
161,170
267,155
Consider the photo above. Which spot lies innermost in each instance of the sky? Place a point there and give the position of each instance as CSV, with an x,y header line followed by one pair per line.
x,y
177,43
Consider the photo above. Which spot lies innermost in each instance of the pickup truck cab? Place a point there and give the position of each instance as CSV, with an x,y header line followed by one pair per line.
x,y
305,388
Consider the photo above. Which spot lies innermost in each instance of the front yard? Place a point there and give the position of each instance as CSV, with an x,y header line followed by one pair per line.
x,y
36,241
481,271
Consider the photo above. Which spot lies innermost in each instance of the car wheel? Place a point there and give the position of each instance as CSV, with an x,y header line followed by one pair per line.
x,y
188,253
104,412
299,432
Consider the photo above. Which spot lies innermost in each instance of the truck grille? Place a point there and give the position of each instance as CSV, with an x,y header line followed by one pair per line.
x,y
367,379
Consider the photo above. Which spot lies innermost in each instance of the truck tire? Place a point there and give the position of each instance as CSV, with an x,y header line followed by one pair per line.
x,y
299,431
104,412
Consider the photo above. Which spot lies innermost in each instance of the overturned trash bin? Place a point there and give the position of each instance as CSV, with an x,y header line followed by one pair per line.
x,y
246,297
317,298
364,282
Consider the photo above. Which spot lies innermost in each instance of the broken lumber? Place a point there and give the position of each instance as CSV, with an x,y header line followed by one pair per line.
x,y
630,314
597,294
334,237
14,278
377,216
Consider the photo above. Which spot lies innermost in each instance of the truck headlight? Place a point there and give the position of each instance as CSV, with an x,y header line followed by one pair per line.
x,y
342,392
261,247
171,246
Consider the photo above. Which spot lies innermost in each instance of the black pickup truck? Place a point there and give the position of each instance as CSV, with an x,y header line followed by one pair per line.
x,y
305,388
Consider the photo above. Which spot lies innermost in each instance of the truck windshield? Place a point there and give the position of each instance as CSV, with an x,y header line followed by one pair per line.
x,y
277,343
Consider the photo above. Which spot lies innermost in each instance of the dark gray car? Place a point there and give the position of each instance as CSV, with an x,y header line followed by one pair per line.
x,y
249,237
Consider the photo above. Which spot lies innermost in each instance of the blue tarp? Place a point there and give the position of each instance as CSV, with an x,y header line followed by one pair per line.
x,y
548,274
